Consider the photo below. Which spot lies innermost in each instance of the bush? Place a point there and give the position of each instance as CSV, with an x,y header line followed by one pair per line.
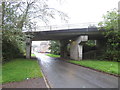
x,y
112,34
113,55
12,46
55,47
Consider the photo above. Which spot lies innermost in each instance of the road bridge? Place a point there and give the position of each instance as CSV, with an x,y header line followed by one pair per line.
x,y
74,37
92,33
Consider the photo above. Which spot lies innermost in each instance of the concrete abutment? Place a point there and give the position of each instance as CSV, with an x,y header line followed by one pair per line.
x,y
76,48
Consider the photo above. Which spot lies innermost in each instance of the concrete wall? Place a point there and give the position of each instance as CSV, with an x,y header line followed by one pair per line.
x,y
100,43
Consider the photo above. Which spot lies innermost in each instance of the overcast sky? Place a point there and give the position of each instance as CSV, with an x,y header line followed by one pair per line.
x,y
82,11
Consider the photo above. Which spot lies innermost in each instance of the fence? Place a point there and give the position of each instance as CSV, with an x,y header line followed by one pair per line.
x,y
65,26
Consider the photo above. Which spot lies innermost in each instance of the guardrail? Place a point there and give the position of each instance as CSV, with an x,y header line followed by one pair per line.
x,y
66,26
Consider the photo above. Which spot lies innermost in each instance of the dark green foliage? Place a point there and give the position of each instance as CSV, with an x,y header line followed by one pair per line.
x,y
12,36
12,47
89,45
112,34
112,51
55,47
17,17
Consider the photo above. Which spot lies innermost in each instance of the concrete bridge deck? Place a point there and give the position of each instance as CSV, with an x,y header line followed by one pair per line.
x,y
92,33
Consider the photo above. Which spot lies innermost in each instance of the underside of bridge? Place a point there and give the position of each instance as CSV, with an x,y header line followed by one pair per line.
x,y
77,36
93,33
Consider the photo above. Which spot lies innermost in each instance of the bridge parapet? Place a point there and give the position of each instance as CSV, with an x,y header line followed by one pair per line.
x,y
63,27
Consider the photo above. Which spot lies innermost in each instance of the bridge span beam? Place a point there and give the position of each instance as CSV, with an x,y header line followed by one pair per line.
x,y
76,48
28,48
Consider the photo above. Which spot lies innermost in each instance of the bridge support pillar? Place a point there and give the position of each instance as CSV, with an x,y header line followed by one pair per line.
x,y
28,48
63,48
76,48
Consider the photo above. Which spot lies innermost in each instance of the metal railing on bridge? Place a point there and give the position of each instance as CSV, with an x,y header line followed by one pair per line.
x,y
63,27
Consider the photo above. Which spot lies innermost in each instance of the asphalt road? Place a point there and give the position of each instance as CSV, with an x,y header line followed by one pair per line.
x,y
61,74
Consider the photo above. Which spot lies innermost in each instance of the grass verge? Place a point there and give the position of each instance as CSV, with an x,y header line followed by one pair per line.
x,y
105,66
53,55
20,69
33,55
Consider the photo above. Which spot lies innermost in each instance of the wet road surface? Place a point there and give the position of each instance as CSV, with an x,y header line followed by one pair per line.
x,y
61,74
